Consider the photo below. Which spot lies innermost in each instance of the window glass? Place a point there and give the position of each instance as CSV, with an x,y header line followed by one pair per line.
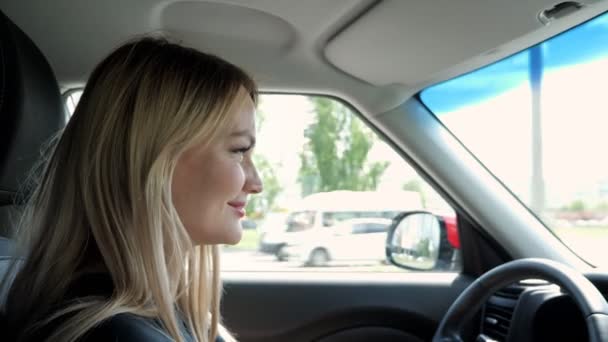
x,y
360,228
300,220
537,121
377,228
324,170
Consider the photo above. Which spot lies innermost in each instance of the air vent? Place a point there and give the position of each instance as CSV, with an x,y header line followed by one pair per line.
x,y
511,292
498,311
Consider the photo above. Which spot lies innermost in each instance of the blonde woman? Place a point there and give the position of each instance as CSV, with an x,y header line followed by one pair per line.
x,y
151,173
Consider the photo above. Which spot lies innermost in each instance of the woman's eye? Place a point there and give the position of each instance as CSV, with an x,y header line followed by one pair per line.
x,y
240,152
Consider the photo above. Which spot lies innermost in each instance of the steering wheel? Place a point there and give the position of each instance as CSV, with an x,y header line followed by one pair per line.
x,y
583,292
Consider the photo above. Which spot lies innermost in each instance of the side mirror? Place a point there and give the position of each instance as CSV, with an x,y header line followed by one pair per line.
x,y
418,240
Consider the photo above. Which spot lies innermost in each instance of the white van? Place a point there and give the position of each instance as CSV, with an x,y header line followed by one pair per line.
x,y
358,240
314,214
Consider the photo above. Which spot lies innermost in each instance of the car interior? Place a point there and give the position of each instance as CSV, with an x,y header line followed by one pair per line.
x,y
518,280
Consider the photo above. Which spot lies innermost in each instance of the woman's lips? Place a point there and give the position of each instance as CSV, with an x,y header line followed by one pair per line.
x,y
239,208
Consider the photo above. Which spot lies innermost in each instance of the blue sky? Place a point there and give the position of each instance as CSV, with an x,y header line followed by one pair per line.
x,y
582,44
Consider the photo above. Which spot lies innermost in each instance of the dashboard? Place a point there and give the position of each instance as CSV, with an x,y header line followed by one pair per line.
x,y
535,310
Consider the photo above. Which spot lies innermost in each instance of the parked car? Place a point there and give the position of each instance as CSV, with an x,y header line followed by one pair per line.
x,y
349,241
314,213
248,224
270,232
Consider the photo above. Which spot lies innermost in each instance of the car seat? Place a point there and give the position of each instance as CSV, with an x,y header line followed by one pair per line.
x,y
31,112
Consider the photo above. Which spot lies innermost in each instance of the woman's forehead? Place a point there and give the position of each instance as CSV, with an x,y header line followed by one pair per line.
x,y
242,113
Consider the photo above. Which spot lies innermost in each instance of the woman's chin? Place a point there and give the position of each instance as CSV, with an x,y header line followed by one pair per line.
x,y
228,236
234,237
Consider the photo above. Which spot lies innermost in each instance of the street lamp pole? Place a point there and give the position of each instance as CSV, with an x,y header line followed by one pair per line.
x,y
537,202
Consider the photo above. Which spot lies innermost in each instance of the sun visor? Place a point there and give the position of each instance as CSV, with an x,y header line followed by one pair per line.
x,y
405,42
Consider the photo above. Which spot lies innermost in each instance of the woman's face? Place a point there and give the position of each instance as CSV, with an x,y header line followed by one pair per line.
x,y
211,183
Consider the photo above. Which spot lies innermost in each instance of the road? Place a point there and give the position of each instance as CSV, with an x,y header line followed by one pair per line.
x,y
239,260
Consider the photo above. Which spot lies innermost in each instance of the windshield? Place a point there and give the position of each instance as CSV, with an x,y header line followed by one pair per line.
x,y
538,121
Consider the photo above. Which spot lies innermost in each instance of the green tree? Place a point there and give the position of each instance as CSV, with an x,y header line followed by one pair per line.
x,y
577,205
335,155
416,186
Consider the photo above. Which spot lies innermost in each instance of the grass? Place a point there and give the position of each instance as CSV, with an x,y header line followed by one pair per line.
x,y
589,242
581,232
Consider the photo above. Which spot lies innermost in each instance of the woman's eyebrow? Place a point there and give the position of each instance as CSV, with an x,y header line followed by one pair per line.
x,y
244,133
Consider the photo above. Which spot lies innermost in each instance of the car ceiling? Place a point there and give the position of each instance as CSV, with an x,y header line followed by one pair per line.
x,y
374,54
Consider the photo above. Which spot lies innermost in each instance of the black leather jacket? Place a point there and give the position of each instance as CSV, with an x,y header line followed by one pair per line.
x,y
122,327
128,327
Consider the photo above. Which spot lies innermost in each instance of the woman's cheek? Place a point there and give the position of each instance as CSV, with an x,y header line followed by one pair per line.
x,y
233,176
240,176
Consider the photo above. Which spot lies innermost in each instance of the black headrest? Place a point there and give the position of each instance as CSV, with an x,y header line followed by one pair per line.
x,y
31,109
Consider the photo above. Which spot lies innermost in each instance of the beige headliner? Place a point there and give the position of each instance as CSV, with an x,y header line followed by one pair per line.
x,y
374,54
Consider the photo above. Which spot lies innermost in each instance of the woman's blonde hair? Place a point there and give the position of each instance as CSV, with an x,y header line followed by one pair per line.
x,y
103,200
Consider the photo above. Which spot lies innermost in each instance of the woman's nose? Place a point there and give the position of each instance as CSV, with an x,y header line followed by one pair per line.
x,y
254,184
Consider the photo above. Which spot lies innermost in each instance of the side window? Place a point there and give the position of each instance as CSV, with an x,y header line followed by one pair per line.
x,y
300,220
71,100
360,228
377,228
335,217
317,157
325,173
